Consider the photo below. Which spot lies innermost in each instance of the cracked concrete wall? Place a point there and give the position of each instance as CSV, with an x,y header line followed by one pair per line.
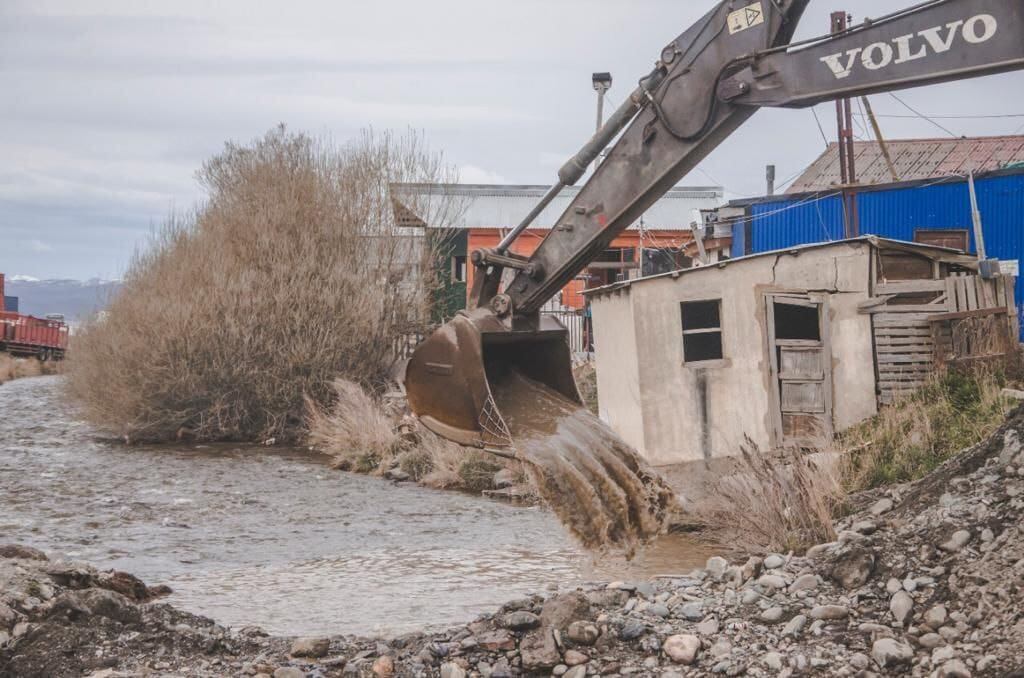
x,y
702,411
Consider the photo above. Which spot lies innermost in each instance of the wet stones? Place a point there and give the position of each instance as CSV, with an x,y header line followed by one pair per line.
x,y
583,633
496,641
23,552
521,621
311,647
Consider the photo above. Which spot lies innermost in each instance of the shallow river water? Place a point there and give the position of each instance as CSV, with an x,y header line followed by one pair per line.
x,y
275,537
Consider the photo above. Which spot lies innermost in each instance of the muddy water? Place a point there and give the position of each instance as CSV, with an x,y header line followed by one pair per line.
x,y
598,485
274,537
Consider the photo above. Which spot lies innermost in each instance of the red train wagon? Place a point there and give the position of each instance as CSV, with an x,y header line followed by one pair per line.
x,y
24,335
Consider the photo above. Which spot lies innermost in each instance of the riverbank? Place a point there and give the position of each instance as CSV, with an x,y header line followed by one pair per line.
x,y
924,580
20,368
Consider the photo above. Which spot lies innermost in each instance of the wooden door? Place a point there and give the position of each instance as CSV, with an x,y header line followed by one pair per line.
x,y
801,369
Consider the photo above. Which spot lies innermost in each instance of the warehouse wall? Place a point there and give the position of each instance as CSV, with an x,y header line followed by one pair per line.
x,y
895,212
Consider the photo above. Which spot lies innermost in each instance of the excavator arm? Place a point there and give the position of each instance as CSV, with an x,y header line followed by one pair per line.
x,y
709,81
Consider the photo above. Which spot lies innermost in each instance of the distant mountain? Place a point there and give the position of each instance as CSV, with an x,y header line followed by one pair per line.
x,y
76,299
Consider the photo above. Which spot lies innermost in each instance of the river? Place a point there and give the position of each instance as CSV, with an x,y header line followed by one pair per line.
x,y
274,537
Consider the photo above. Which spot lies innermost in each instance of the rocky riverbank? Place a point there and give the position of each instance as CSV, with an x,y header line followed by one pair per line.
x,y
923,581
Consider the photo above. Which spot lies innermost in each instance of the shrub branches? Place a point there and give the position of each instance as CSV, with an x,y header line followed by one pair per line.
x,y
293,272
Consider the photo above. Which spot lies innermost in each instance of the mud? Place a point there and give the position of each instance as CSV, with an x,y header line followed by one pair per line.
x,y
598,485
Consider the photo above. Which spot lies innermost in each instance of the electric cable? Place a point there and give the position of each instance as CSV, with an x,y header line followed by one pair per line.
x,y
925,117
821,129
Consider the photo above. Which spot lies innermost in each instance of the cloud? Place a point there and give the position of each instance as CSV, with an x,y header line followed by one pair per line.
x,y
36,245
471,174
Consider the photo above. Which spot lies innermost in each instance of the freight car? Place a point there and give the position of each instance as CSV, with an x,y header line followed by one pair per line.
x,y
26,336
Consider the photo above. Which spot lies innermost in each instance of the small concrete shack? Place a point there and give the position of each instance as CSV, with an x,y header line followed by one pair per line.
x,y
787,348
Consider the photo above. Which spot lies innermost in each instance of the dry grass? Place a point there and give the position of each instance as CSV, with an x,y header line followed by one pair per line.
x,y
775,503
363,438
19,368
294,272
356,432
954,411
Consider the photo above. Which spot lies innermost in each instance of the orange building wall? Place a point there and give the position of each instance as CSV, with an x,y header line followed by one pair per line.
x,y
530,240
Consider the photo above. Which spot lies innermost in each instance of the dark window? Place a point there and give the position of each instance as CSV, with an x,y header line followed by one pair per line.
x,y
797,322
459,268
702,331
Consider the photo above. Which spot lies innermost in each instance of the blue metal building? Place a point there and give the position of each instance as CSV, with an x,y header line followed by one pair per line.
x,y
898,211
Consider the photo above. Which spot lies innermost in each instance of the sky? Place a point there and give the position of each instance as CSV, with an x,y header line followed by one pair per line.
x,y
107,108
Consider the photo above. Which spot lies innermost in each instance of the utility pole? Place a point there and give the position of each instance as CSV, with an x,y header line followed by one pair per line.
x,y
979,234
769,176
881,140
847,163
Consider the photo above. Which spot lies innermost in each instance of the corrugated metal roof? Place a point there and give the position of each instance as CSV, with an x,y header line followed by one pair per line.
x,y
914,159
504,206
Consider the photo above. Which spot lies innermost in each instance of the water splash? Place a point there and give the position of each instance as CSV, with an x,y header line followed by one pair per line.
x,y
597,484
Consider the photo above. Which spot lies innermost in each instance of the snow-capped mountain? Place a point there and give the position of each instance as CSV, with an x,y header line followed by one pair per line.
x,y
75,299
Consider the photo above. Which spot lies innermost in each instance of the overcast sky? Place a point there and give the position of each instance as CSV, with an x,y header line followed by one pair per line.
x,y
107,108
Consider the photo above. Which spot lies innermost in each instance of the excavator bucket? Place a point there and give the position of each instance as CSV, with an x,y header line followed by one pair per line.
x,y
452,377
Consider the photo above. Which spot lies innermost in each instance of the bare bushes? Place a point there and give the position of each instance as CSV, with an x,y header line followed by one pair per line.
x,y
295,271
363,437
782,502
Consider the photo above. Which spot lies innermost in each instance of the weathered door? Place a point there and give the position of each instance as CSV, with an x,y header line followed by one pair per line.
x,y
801,369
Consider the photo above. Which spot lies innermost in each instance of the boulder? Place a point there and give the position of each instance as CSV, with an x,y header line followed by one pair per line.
x,y
853,568
682,649
583,633
889,653
311,647
496,641
521,621
19,551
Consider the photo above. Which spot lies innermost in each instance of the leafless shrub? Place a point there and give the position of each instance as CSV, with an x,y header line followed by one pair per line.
x,y
781,502
17,368
296,270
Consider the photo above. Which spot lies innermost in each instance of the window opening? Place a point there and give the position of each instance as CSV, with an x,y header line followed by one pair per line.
x,y
797,322
702,330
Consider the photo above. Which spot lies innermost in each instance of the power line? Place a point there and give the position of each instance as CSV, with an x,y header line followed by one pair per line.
x,y
820,128
925,117
999,116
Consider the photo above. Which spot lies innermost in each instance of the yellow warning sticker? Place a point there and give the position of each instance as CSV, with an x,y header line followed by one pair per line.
x,y
748,17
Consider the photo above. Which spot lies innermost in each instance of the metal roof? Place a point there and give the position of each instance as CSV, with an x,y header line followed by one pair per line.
x,y
914,159
504,206
935,252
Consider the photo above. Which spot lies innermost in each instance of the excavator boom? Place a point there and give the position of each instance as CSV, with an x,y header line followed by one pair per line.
x,y
708,81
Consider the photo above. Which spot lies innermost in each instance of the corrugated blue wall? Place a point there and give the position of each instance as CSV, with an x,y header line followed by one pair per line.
x,y
896,213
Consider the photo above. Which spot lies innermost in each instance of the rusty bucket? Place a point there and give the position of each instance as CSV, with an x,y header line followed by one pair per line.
x,y
451,376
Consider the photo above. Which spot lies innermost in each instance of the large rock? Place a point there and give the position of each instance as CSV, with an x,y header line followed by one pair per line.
x,y
538,650
560,611
583,633
98,603
521,621
853,568
682,649
901,607
830,612
311,647
889,652
496,641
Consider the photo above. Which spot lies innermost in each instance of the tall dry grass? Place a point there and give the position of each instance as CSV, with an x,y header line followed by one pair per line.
x,y
774,502
955,410
362,436
17,368
294,271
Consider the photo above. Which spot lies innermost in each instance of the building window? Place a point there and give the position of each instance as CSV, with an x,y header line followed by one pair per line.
x,y
459,268
702,330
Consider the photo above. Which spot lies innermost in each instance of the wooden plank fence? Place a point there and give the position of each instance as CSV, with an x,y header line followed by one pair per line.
x,y
920,324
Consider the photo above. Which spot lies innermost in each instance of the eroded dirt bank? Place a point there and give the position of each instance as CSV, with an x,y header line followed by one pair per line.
x,y
925,581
